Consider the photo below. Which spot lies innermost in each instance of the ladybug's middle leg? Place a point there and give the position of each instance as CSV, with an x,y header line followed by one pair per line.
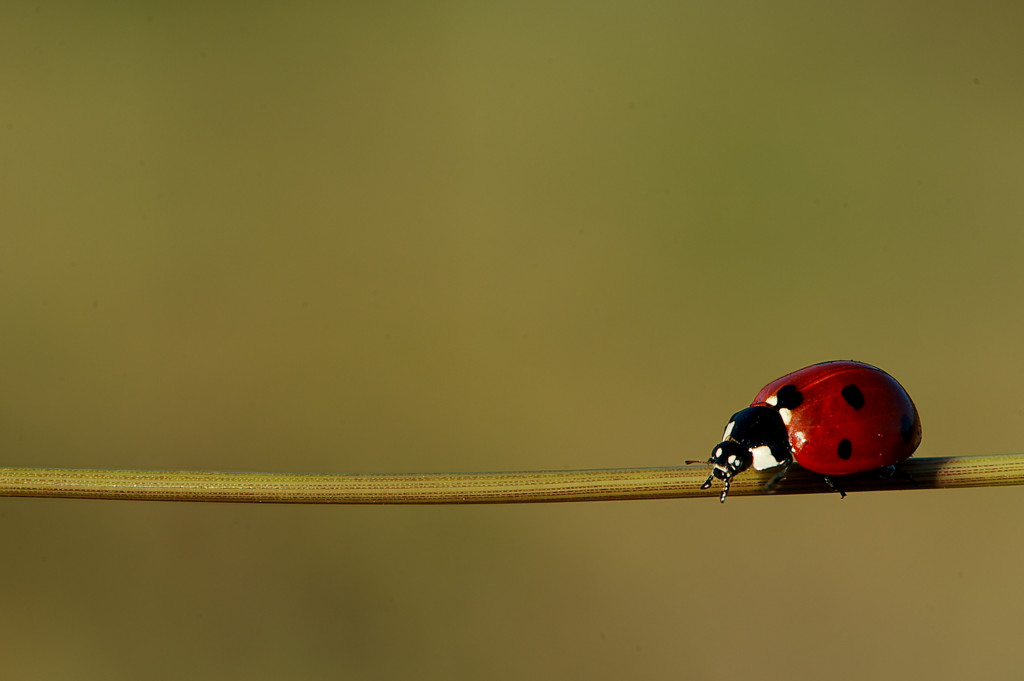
x,y
893,471
777,478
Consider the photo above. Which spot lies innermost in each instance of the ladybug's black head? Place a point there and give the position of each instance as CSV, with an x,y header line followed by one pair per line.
x,y
729,458
755,436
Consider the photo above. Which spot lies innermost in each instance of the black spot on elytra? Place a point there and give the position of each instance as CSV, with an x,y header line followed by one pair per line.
x,y
845,449
853,396
907,429
789,397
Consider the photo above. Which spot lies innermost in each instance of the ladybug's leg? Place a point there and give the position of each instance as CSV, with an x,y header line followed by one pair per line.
x,y
832,484
725,490
894,470
777,478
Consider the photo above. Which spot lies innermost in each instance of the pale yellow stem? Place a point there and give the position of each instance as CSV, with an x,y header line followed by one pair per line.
x,y
481,488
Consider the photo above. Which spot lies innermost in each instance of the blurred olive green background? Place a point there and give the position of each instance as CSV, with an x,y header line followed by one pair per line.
x,y
489,236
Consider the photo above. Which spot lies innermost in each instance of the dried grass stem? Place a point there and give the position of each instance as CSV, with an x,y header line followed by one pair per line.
x,y
481,488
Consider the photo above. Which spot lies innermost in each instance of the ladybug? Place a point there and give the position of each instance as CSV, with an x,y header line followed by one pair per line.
x,y
833,418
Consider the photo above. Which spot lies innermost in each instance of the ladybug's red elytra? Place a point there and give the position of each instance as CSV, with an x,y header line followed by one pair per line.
x,y
834,418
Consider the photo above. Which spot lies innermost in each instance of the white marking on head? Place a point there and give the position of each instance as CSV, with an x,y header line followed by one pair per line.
x,y
728,430
786,415
773,400
764,458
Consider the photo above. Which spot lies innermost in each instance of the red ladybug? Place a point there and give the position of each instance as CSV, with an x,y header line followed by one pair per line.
x,y
833,418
